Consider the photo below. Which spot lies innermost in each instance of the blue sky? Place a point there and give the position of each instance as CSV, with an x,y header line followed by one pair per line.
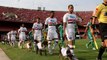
x,y
57,5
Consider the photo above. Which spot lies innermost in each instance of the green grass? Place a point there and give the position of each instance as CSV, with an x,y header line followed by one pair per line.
x,y
81,52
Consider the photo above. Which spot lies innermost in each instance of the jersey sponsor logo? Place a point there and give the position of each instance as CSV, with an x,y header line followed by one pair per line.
x,y
13,33
38,27
70,37
22,29
72,17
71,21
51,22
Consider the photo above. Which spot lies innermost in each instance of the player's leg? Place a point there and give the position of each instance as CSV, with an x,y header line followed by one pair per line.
x,y
19,43
13,41
49,38
39,40
103,32
55,43
87,45
35,42
49,46
101,51
70,38
92,41
55,36
62,41
73,43
23,41
9,41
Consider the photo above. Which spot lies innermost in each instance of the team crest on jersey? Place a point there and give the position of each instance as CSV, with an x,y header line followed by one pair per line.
x,y
70,37
37,25
52,20
72,17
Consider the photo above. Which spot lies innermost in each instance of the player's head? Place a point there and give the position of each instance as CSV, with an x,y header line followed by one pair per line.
x,y
70,8
91,19
38,20
52,14
105,1
23,25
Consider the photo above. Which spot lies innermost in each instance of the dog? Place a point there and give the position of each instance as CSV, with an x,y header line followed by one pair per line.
x,y
28,45
41,47
64,53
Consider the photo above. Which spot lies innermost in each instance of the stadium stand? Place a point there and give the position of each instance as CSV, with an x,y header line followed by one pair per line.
x,y
17,16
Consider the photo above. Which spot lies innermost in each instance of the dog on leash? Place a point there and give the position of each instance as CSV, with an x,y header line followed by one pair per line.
x,y
41,47
64,53
28,45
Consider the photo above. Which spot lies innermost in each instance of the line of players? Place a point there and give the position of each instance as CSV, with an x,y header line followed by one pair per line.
x,y
66,31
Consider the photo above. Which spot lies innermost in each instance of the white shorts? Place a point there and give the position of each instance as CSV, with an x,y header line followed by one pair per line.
x,y
13,38
38,36
52,35
70,35
22,37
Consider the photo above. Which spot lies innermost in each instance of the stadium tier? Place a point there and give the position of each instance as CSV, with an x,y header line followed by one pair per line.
x,y
28,16
13,17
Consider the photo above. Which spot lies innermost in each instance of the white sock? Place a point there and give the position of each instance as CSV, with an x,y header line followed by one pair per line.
x,y
55,44
49,48
72,52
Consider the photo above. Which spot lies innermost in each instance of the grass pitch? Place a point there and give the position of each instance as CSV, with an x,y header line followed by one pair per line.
x,y
81,52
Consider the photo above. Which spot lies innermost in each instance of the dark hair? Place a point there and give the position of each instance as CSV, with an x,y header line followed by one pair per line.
x,y
52,11
91,18
70,5
38,18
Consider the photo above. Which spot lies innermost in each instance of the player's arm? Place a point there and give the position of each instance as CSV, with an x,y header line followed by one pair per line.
x,y
10,34
64,25
86,29
96,13
46,24
42,28
85,32
57,27
79,23
78,30
92,31
18,31
26,30
33,28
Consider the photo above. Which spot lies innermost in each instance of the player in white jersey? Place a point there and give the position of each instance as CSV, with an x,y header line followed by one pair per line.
x,y
69,21
37,28
8,37
22,35
51,21
13,34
